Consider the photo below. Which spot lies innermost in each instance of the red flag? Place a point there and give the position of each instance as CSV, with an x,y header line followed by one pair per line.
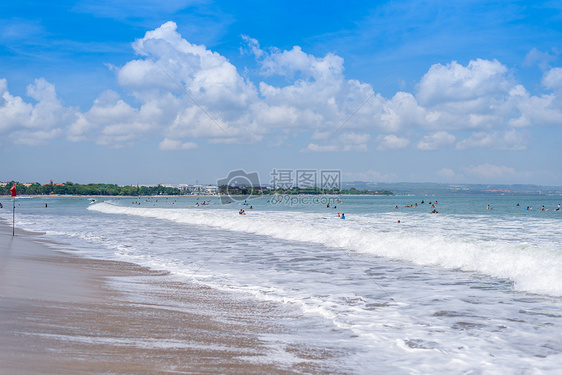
x,y
13,190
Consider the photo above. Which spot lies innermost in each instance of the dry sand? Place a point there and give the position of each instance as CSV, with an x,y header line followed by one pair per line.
x,y
64,314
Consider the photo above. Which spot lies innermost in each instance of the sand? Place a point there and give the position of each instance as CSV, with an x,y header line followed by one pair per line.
x,y
64,314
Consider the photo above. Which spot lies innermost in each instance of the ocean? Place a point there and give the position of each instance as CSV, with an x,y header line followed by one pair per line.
x,y
474,288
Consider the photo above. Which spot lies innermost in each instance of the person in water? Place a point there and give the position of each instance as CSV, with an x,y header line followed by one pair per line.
x,y
343,216
242,212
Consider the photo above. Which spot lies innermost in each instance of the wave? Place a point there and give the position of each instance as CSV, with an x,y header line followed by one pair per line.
x,y
533,267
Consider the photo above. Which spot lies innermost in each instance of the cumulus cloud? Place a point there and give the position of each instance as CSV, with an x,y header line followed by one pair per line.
x,y
184,91
508,140
542,59
391,142
436,140
172,145
314,147
553,79
348,141
32,124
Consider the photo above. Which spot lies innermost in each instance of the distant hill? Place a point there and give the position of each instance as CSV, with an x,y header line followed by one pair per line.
x,y
430,188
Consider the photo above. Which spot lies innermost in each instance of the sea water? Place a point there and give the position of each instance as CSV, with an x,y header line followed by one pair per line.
x,y
473,288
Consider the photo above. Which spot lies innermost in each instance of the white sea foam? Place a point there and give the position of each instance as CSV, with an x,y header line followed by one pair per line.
x,y
533,265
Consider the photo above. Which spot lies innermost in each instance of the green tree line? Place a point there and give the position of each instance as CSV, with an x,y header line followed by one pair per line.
x,y
70,188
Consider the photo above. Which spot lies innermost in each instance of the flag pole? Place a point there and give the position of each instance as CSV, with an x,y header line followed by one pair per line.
x,y
14,193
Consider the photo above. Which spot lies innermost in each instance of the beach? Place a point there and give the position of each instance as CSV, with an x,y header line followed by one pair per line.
x,y
63,314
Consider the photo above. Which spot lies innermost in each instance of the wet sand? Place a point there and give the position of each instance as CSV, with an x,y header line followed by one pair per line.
x,y
64,314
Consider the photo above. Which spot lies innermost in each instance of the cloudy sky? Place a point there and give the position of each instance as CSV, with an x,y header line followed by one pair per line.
x,y
184,91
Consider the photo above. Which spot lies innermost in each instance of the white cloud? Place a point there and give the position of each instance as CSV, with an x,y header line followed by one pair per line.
x,y
508,140
314,147
348,141
552,79
314,97
391,142
172,145
33,124
436,140
542,59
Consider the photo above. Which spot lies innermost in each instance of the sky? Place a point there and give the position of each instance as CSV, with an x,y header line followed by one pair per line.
x,y
186,91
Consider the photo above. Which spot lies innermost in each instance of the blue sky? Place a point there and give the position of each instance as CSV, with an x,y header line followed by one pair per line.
x,y
184,91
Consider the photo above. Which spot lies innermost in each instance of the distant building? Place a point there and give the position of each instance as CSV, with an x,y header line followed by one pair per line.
x,y
198,189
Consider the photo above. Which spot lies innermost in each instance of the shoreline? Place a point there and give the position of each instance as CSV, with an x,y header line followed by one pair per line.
x,y
66,314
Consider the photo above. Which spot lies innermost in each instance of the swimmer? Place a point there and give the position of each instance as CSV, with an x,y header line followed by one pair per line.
x,y
242,212
343,216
